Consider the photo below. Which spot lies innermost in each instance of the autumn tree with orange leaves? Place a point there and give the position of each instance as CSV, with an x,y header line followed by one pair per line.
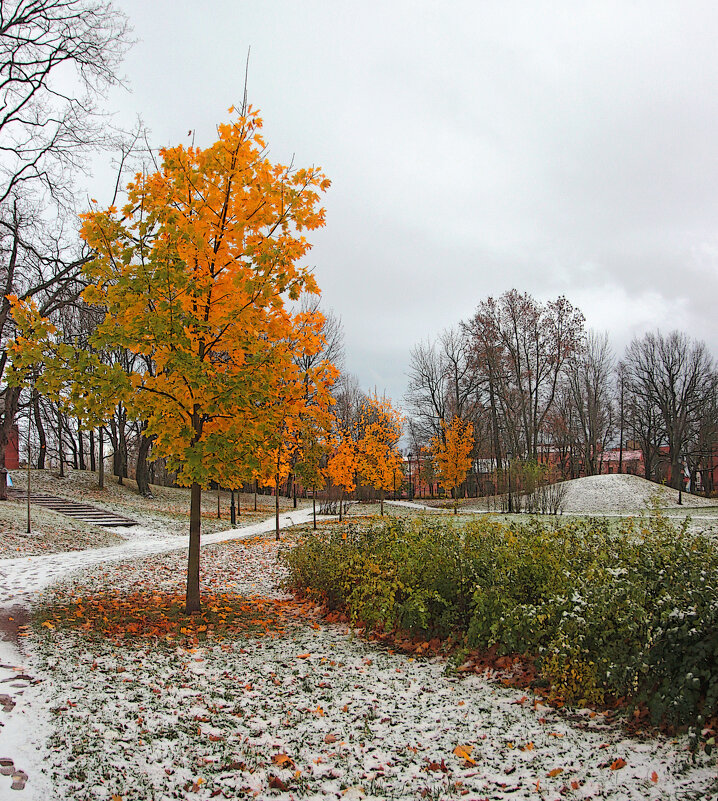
x,y
379,457
193,274
451,454
343,465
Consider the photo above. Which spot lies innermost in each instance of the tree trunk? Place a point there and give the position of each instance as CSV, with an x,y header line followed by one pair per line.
x,y
101,459
40,428
276,506
341,503
73,447
80,448
314,506
122,437
59,443
676,472
256,482
142,472
3,474
115,442
93,464
192,601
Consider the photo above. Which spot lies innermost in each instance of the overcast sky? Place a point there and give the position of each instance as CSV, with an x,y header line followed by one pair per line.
x,y
558,148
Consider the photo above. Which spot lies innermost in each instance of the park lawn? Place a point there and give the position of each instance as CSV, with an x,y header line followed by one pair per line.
x,y
271,702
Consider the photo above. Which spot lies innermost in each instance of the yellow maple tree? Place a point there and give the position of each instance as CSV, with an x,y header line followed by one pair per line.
x,y
343,464
379,458
451,454
194,274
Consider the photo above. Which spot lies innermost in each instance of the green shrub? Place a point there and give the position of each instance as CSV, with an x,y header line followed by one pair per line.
x,y
627,610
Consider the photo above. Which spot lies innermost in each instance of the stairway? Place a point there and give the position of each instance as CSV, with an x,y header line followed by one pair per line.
x,y
79,511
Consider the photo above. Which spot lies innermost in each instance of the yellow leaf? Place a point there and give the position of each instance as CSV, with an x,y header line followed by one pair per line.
x,y
464,752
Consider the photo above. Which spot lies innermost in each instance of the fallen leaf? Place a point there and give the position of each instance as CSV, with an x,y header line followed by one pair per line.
x,y
618,764
654,777
282,759
555,772
464,752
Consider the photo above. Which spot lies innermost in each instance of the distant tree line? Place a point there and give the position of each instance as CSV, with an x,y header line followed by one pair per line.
x,y
538,387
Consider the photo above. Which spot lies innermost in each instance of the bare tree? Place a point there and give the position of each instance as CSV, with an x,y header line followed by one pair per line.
x,y
349,401
673,378
442,384
589,373
49,118
332,333
57,57
520,349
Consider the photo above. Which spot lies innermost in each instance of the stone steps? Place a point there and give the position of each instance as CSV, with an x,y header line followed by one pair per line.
x,y
78,511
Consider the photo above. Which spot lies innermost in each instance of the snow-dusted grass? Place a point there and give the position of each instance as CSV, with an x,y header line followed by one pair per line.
x,y
165,514
314,713
82,485
306,711
50,532
613,494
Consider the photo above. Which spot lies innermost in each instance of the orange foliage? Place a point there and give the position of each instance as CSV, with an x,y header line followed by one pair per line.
x,y
194,273
160,615
343,462
379,457
452,454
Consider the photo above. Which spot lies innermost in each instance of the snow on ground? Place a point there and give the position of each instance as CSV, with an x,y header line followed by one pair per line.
x,y
315,712
21,581
616,494
623,493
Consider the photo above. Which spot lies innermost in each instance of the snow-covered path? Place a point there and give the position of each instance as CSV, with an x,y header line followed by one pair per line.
x,y
420,507
21,579
21,708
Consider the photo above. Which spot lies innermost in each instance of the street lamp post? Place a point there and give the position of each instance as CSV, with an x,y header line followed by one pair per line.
x,y
680,483
410,489
29,432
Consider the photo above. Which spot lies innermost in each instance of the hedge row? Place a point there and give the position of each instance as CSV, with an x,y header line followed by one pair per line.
x,y
609,610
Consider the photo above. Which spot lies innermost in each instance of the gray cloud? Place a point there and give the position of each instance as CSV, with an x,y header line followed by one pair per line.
x,y
473,147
